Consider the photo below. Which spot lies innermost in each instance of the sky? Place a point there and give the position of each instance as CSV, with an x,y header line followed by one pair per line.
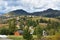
x,y
28,5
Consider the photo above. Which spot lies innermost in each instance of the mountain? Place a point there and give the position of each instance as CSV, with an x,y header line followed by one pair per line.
x,y
18,12
47,13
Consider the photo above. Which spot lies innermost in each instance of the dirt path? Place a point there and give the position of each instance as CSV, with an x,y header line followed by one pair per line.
x,y
4,39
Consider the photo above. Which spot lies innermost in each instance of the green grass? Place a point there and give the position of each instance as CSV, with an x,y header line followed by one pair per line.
x,y
18,37
53,37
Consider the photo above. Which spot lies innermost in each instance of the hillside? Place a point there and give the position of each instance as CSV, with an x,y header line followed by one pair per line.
x,y
46,13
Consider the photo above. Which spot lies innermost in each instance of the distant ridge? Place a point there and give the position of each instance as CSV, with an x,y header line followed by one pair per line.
x,y
48,13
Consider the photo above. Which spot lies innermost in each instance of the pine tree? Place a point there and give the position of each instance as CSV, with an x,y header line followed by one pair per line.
x,y
26,34
12,26
39,32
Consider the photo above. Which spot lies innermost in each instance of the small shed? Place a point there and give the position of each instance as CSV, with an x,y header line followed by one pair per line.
x,y
18,33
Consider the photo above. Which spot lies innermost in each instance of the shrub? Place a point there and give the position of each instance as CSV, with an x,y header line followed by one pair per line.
x,y
27,35
4,31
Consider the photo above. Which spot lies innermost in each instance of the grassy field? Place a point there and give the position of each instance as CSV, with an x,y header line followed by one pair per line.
x,y
18,37
53,37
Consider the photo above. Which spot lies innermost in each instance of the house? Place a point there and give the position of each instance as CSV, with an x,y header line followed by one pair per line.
x,y
18,33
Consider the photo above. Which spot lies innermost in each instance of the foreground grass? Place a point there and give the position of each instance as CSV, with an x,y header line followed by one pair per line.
x,y
15,37
18,37
53,37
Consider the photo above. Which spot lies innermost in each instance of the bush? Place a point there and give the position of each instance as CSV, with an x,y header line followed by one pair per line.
x,y
27,35
4,31
39,32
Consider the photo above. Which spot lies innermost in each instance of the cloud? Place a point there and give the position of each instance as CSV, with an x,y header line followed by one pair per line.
x,y
28,5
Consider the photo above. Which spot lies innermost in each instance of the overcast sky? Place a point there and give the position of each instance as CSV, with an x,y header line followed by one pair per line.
x,y
28,5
